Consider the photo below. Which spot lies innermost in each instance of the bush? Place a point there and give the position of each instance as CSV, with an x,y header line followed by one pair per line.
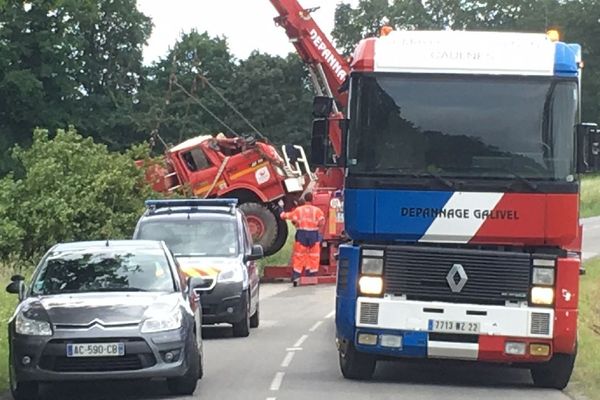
x,y
70,189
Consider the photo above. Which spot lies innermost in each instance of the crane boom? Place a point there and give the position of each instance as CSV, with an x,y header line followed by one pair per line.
x,y
329,69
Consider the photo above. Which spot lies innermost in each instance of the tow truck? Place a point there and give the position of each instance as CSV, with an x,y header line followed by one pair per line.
x,y
462,154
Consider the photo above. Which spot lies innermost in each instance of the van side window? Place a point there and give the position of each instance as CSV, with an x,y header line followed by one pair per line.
x,y
195,159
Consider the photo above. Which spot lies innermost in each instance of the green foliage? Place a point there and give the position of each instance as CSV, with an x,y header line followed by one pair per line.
x,y
587,366
577,19
590,196
67,62
72,189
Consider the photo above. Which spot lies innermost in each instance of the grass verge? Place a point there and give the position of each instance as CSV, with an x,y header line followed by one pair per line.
x,y
590,196
282,257
7,306
586,377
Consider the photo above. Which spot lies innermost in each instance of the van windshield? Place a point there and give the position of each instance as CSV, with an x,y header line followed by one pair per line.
x,y
194,237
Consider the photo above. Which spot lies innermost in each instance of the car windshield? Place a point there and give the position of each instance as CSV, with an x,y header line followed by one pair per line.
x,y
104,271
204,237
457,126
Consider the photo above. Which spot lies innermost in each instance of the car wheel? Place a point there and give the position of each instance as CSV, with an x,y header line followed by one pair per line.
x,y
186,384
355,365
23,390
242,328
554,374
255,318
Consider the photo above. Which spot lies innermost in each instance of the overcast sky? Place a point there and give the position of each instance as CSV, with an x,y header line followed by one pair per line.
x,y
247,24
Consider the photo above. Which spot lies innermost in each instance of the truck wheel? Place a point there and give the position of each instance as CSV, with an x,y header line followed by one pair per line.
x,y
282,235
554,374
263,225
355,365
186,385
242,327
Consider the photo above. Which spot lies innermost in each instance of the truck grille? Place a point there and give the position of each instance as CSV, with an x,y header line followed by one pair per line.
x,y
369,313
540,323
424,273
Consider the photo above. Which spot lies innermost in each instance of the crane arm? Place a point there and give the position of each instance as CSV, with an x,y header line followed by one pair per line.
x,y
329,69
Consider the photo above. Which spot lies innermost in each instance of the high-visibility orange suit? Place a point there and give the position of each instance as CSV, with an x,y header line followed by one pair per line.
x,y
307,247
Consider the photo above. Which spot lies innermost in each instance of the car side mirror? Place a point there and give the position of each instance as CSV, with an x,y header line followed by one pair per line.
x,y
256,253
588,147
17,286
196,282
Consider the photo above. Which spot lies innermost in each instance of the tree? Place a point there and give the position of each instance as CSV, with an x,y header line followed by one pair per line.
x,y
577,19
71,189
69,62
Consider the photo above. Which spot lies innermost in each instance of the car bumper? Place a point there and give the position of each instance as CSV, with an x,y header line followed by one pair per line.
x,y
144,356
223,304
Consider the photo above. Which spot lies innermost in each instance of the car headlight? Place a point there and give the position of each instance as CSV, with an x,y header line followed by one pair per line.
x,y
542,295
371,285
235,274
372,262
32,327
543,276
163,322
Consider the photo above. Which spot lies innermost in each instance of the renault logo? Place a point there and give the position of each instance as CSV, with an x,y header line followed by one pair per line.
x,y
456,285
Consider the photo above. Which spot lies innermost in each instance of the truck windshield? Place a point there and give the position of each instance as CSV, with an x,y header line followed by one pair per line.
x,y
194,237
458,126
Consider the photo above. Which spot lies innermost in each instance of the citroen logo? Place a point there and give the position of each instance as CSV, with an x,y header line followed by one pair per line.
x,y
456,285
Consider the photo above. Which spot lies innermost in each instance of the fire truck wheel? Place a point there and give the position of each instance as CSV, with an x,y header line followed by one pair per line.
x,y
554,374
263,225
282,235
355,365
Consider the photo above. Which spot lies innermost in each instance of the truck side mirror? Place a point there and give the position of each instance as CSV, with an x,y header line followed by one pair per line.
x,y
320,142
588,147
322,106
344,125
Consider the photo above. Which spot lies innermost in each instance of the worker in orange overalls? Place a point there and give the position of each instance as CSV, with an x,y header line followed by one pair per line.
x,y
306,254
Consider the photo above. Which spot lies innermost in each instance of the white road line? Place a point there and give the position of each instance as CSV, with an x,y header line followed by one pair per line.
x,y
276,384
293,349
300,341
331,314
271,398
315,326
288,359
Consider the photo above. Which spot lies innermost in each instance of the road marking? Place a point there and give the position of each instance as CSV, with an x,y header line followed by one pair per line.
x,y
271,398
300,341
293,349
331,314
315,326
288,359
276,384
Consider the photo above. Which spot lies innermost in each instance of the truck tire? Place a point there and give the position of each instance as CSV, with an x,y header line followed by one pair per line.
x,y
554,374
355,365
282,235
263,225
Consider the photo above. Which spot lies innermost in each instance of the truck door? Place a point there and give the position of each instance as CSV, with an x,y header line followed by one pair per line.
x,y
201,171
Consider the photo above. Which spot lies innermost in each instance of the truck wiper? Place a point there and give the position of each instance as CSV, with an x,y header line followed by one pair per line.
x,y
522,179
439,178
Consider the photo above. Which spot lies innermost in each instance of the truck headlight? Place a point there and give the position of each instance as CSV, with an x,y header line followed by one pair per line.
x,y
163,322
542,295
32,327
543,276
372,285
372,262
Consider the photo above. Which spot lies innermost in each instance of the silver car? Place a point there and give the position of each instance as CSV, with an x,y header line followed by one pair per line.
x,y
105,310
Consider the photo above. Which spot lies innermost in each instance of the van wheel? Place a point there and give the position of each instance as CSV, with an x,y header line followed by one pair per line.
x,y
355,365
242,327
255,318
554,374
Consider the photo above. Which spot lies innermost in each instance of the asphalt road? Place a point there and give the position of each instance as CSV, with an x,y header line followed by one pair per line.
x,y
292,356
